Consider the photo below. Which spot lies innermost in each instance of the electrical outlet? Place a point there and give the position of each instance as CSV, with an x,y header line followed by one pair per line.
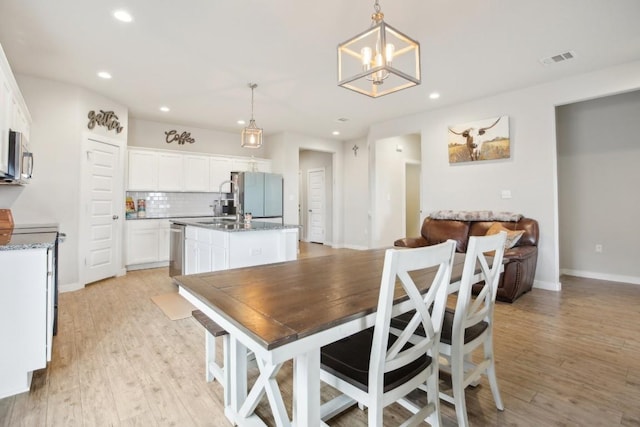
x,y
598,248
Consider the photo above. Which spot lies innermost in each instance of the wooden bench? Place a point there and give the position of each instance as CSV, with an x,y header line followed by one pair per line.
x,y
213,369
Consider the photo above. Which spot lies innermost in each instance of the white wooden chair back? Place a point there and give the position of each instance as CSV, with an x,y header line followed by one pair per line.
x,y
471,311
397,266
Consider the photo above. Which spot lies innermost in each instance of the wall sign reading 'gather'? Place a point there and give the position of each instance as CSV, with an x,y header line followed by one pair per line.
x,y
173,135
107,119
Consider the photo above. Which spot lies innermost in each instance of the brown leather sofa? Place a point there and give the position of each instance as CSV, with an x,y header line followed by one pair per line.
x,y
520,261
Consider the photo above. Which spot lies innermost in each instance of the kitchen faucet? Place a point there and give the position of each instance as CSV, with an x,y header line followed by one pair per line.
x,y
236,199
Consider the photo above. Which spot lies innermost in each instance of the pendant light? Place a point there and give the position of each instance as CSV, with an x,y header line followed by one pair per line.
x,y
252,134
380,60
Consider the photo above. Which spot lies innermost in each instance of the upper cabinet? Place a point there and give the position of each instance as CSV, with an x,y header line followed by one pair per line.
x,y
13,110
164,170
220,169
143,170
171,172
196,173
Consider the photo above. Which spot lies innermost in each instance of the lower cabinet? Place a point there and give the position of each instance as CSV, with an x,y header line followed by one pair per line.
x,y
205,250
211,250
26,316
147,242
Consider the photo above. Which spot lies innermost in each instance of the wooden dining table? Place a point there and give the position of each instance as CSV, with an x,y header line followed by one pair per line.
x,y
288,311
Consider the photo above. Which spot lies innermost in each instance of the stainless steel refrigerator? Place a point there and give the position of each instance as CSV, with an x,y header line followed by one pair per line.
x,y
260,194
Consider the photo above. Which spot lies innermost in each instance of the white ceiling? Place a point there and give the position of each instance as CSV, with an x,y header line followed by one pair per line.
x,y
197,56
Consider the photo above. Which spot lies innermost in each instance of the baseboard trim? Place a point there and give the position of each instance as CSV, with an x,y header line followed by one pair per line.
x,y
547,286
147,265
601,276
356,247
70,287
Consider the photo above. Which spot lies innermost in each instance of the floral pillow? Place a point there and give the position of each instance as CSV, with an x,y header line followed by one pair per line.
x,y
513,236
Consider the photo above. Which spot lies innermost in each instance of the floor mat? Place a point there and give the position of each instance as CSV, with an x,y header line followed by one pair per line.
x,y
174,306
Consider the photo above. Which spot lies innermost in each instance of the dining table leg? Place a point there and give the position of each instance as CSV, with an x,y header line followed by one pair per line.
x,y
238,379
306,389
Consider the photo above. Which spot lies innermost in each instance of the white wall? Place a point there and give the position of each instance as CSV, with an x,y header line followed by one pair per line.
x,y
598,175
284,152
149,134
356,194
59,112
530,173
389,187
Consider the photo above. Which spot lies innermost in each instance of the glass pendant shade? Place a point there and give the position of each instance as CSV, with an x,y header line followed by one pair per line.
x,y
379,61
251,136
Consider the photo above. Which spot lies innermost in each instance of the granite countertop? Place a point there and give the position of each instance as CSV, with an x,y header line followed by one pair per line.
x,y
172,216
28,237
230,225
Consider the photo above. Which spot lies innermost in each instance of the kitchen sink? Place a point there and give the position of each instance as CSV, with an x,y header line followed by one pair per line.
x,y
218,221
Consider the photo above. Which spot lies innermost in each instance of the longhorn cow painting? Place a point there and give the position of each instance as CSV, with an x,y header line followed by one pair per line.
x,y
481,140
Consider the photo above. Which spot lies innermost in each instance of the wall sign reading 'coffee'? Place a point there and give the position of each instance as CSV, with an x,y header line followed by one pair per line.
x,y
172,135
107,119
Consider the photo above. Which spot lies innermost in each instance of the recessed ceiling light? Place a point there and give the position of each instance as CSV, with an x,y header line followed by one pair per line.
x,y
122,15
241,122
165,109
434,95
335,132
104,75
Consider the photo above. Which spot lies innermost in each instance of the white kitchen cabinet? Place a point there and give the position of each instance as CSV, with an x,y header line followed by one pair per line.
x,y
143,170
13,110
164,170
26,316
164,240
5,123
147,243
170,172
196,173
199,253
219,171
212,250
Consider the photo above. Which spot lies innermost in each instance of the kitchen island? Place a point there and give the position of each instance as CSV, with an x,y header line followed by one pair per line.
x,y
220,244
27,303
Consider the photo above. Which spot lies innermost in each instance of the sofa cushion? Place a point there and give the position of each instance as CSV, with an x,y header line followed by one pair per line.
x,y
530,227
512,235
437,231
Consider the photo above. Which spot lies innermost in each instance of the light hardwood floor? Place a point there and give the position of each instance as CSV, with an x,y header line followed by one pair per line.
x,y
563,359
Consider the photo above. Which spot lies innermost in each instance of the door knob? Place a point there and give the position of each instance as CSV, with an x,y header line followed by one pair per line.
x,y
115,217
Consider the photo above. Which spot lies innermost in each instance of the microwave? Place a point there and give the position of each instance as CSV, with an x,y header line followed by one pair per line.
x,y
20,160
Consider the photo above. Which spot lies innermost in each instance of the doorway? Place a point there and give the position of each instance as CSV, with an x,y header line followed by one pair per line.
x,y
101,198
316,205
316,196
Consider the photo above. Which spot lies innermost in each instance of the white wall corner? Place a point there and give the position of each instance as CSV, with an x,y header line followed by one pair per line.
x,y
70,287
547,286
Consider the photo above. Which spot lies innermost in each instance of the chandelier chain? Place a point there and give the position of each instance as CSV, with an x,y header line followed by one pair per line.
x,y
252,86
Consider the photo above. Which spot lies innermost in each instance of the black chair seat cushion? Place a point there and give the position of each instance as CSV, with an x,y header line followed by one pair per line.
x,y
349,358
470,334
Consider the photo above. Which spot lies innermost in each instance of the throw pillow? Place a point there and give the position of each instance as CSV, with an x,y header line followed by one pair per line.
x,y
512,235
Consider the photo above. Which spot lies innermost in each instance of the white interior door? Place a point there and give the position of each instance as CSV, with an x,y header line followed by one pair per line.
x,y
315,205
101,198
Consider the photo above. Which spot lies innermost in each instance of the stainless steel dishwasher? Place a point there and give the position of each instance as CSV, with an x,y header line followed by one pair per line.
x,y
176,248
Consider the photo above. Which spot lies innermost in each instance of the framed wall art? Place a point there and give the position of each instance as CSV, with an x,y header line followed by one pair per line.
x,y
480,140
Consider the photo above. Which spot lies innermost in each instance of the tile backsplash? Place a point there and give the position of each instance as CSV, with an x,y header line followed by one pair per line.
x,y
165,204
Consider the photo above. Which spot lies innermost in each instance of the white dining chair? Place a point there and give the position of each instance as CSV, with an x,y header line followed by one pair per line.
x,y
470,325
376,368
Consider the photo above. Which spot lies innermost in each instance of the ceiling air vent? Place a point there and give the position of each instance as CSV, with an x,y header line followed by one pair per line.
x,y
561,57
